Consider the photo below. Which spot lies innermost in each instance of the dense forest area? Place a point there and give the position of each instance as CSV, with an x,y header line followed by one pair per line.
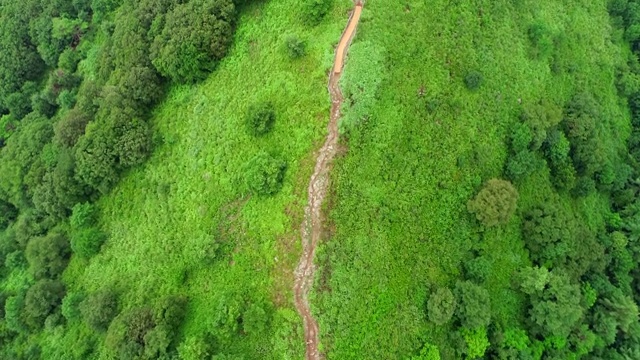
x,y
77,82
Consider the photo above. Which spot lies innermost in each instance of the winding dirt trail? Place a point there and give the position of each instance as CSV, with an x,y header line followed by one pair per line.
x,y
318,186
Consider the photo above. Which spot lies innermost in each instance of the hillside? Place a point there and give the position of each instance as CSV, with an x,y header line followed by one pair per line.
x,y
472,91
162,176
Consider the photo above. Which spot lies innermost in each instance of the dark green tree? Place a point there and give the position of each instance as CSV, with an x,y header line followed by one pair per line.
x,y
522,164
71,306
99,308
521,137
441,306
8,213
171,311
547,232
477,269
587,150
48,255
126,335
194,36
42,299
557,309
474,305
96,162
87,242
21,152
83,215
14,312
140,84
19,57
254,319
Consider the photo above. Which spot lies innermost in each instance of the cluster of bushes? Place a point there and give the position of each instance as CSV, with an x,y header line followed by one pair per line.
x,y
264,173
468,307
145,332
234,317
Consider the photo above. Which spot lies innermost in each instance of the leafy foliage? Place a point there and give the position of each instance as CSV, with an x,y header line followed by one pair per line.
x,y
441,306
556,309
42,300
71,306
428,352
476,342
48,255
193,37
547,231
194,348
314,11
254,319
264,174
87,242
478,269
474,306
296,48
473,80
98,309
495,203
260,118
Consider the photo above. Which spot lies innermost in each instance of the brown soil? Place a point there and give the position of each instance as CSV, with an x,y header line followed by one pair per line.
x,y
318,186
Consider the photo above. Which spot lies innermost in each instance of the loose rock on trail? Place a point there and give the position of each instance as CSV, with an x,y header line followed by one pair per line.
x,y
318,186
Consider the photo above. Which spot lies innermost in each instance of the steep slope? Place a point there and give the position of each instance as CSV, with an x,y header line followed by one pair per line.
x,y
185,222
421,144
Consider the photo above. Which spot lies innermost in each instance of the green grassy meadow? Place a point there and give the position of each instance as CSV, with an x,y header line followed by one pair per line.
x,y
399,226
189,201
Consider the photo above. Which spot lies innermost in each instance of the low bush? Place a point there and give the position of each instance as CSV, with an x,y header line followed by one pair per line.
x,y
314,11
87,242
473,80
260,118
296,48
264,174
495,203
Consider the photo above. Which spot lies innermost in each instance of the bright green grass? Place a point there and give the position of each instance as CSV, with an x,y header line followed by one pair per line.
x,y
399,219
191,193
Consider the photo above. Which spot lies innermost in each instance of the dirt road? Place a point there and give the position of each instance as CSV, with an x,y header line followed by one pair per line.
x,y
318,186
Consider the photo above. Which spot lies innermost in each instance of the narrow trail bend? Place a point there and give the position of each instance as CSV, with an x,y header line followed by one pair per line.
x,y
318,186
